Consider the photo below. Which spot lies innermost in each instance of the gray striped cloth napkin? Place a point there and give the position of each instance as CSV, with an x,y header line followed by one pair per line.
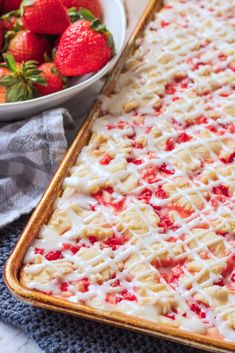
x,y
30,152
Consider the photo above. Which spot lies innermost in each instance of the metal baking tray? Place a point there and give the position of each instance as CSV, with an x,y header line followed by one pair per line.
x,y
44,211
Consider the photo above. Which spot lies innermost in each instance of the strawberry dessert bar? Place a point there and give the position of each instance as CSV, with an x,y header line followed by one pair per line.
x,y
145,225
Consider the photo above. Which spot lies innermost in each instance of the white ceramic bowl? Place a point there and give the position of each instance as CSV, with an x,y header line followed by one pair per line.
x,y
115,19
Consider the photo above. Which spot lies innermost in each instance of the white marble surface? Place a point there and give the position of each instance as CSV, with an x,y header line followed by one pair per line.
x,y
11,339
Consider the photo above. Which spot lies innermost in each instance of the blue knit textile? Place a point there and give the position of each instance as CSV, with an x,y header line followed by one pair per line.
x,y
57,333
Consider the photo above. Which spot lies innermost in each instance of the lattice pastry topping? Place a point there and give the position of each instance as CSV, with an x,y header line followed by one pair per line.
x,y
145,225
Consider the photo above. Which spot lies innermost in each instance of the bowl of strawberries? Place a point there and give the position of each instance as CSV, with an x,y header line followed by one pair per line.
x,y
50,50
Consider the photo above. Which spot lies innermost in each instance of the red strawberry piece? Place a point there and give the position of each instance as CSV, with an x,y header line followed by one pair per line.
x,y
145,195
161,193
54,255
106,159
165,169
92,207
29,46
45,16
221,190
89,54
170,316
72,248
229,159
177,271
9,5
183,212
201,120
150,175
230,266
117,205
115,242
220,282
54,79
92,239
184,137
93,5
39,251
127,295
170,89
135,161
137,145
197,310
84,285
170,145
165,23
116,283
64,287
165,222
233,276
112,298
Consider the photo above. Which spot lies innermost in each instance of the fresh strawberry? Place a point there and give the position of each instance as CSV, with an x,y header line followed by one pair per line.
x,y
90,53
45,16
93,5
9,5
53,78
29,46
17,81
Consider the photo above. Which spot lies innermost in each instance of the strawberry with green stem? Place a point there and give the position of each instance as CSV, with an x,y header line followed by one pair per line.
x,y
55,81
86,46
92,5
26,45
20,80
45,16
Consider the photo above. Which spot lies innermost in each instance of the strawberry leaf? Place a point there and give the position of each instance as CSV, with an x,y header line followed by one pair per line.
x,y
98,26
24,4
8,81
85,14
10,62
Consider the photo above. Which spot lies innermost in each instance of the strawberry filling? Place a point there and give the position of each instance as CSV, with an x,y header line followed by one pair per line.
x,y
184,137
150,175
117,298
165,169
161,193
165,222
165,23
229,159
135,161
72,248
220,282
93,239
39,251
233,276
138,145
199,309
221,190
183,212
115,242
170,89
146,195
83,285
170,145
54,255
106,159
64,287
